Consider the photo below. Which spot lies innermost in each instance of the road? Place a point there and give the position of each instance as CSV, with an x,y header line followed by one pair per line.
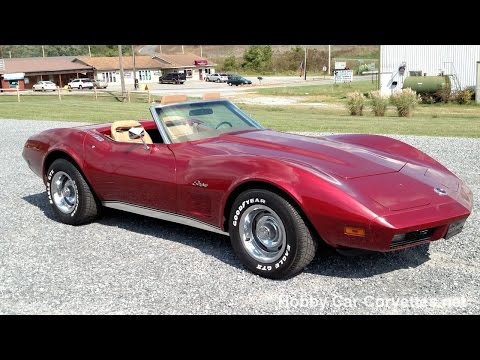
x,y
196,88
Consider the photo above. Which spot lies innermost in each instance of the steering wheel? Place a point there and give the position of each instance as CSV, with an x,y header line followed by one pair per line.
x,y
224,123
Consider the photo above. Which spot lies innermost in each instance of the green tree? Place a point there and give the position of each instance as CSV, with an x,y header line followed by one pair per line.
x,y
258,58
230,63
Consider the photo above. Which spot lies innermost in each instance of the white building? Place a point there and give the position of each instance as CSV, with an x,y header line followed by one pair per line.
x,y
459,61
194,66
107,68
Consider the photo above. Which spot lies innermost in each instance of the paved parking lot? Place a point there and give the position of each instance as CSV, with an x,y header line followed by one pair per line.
x,y
127,264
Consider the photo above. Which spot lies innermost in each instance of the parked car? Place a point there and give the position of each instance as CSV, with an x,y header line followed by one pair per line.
x,y
172,78
238,80
80,84
99,84
217,77
205,163
44,86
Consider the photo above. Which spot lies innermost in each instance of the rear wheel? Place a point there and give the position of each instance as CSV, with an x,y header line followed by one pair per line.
x,y
69,194
269,236
79,87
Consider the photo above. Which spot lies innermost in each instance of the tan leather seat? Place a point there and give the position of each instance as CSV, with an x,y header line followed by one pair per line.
x,y
175,130
119,132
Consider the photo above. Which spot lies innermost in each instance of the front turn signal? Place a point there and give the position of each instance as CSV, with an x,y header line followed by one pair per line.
x,y
354,231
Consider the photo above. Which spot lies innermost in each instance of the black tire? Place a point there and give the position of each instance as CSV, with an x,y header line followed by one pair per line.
x,y
218,80
298,247
43,89
86,208
79,87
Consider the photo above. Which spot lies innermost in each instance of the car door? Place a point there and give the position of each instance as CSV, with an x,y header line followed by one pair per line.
x,y
129,173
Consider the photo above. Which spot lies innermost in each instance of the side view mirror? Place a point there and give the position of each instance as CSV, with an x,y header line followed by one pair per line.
x,y
138,133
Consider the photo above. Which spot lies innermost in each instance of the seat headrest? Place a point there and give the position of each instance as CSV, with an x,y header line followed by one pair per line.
x,y
211,95
125,124
170,99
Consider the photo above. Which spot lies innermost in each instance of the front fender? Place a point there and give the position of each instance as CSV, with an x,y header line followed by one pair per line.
x,y
325,201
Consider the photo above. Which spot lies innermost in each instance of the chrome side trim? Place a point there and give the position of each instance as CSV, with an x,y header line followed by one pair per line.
x,y
163,215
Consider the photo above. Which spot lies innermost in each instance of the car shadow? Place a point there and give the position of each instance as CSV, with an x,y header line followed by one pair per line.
x,y
212,244
327,261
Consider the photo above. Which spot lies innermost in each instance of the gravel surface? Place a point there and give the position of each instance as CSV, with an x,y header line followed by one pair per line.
x,y
128,264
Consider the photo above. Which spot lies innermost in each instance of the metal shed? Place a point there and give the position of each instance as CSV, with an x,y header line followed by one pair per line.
x,y
459,61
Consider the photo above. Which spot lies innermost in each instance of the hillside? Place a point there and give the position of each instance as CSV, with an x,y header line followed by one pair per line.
x,y
217,52
221,51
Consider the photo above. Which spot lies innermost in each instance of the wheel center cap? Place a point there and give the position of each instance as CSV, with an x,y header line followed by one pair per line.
x,y
264,233
66,192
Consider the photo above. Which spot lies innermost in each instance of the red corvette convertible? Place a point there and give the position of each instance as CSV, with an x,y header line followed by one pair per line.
x,y
205,163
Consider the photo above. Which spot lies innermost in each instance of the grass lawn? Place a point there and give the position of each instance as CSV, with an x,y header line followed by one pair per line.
x,y
434,120
318,120
325,93
82,108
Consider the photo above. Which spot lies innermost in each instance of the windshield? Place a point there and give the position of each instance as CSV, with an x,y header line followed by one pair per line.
x,y
203,119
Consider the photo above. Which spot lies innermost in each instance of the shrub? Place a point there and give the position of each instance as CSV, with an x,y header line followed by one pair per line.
x,y
378,103
405,101
444,94
362,68
463,96
355,103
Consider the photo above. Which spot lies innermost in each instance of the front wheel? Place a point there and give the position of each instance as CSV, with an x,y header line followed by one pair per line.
x,y
269,235
69,194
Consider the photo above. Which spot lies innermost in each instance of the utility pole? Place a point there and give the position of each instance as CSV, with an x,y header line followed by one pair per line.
x,y
201,51
43,51
89,51
10,53
329,58
134,70
305,63
183,51
122,78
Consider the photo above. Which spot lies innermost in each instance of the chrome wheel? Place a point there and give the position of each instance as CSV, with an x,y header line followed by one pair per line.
x,y
262,233
64,192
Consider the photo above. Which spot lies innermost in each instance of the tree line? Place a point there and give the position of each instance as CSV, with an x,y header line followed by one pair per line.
x,y
20,51
262,59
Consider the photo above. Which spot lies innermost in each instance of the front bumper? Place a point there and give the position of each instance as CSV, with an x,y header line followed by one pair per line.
x,y
420,226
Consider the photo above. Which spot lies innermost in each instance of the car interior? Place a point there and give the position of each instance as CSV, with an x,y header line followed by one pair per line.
x,y
119,132
177,127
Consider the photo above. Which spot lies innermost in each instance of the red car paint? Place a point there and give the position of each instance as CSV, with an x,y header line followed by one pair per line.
x,y
372,182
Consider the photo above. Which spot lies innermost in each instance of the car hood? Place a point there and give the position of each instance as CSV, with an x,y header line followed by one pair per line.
x,y
332,157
